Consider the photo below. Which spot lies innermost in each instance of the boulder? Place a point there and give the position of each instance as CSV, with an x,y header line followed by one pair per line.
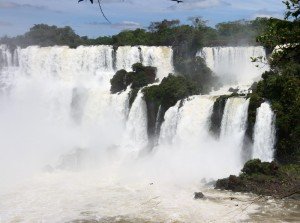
x,y
198,195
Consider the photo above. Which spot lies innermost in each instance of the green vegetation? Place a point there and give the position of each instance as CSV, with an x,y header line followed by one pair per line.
x,y
164,33
265,179
283,91
170,90
281,85
195,69
185,40
293,9
45,35
194,36
257,167
139,77
120,81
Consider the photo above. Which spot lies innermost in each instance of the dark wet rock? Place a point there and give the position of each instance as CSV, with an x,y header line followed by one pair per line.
x,y
253,87
233,183
198,195
217,115
233,90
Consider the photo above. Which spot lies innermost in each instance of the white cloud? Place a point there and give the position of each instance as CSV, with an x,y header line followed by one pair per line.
x,y
120,26
267,14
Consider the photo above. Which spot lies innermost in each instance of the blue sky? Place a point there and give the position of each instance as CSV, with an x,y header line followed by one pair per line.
x,y
17,16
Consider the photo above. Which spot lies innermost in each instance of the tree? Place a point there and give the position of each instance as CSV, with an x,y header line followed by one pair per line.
x,y
281,85
198,21
293,9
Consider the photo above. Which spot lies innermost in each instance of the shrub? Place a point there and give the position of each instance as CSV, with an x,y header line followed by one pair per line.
x,y
120,81
140,77
257,167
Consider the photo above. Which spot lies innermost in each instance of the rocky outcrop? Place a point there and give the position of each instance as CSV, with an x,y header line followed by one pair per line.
x,y
264,178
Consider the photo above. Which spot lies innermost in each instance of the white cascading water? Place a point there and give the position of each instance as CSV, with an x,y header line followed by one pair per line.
x,y
60,123
234,67
136,136
185,133
64,93
235,116
152,57
149,56
193,124
126,56
187,130
264,133
6,57
233,128
233,64
169,126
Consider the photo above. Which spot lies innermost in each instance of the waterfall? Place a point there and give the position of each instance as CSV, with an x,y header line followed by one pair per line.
x,y
235,116
60,123
83,64
233,64
149,56
186,134
193,124
233,128
6,57
81,75
264,133
126,56
92,60
136,137
71,95
169,126
56,99
188,124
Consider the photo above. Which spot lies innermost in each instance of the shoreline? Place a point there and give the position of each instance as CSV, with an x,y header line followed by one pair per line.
x,y
265,179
